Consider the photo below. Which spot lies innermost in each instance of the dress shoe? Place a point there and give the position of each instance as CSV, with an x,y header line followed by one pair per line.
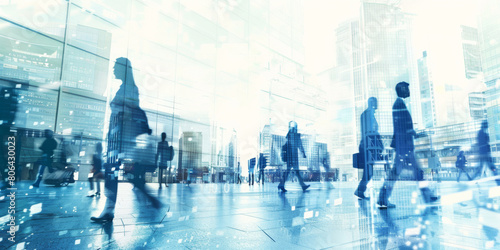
x,y
385,205
304,188
282,188
103,218
435,198
94,194
360,195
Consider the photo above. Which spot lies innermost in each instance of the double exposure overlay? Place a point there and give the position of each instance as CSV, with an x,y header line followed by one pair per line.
x,y
249,124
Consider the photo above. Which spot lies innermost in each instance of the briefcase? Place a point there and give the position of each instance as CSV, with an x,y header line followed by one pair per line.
x,y
357,161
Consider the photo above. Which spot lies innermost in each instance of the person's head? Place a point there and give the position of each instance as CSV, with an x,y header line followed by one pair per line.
x,y
123,70
49,133
163,136
402,89
372,103
292,126
98,147
461,153
484,124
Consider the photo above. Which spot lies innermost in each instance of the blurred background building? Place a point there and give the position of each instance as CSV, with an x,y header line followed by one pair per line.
x,y
230,75
213,66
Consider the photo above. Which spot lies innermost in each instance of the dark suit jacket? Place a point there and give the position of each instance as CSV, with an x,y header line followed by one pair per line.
x,y
461,161
262,161
134,120
48,146
402,139
483,142
369,125
369,128
294,144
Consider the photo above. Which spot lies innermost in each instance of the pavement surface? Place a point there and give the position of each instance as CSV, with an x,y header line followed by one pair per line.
x,y
232,216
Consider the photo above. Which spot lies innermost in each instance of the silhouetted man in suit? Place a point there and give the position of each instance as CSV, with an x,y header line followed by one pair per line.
x,y
48,147
251,174
262,163
162,153
369,136
483,142
293,145
460,164
402,142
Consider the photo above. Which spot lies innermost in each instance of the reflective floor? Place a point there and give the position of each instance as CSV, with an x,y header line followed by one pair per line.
x,y
230,216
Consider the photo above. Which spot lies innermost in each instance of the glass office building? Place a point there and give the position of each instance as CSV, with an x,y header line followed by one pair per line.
x,y
489,35
206,68
231,72
220,81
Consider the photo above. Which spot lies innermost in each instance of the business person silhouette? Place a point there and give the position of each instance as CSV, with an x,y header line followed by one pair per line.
x,y
162,153
262,163
461,165
96,171
48,146
483,143
369,136
293,145
402,141
127,121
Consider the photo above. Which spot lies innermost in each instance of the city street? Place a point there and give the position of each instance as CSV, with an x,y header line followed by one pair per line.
x,y
231,216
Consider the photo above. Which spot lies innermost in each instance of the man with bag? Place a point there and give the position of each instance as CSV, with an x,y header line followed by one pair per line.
x,y
460,164
290,154
369,136
166,154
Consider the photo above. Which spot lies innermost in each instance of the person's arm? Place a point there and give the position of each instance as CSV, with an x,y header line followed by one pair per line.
x,y
54,145
364,126
43,146
95,163
408,124
397,118
302,147
157,153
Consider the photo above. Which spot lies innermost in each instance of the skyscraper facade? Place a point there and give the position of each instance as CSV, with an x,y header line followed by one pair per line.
x,y
387,58
426,92
471,51
374,53
489,30
236,64
448,71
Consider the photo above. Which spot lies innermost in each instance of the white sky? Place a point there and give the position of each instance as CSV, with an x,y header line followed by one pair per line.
x,y
432,16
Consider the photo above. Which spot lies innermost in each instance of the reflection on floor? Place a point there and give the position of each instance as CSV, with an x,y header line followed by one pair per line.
x,y
231,216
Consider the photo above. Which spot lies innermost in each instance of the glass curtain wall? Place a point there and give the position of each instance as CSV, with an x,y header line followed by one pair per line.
x,y
210,74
